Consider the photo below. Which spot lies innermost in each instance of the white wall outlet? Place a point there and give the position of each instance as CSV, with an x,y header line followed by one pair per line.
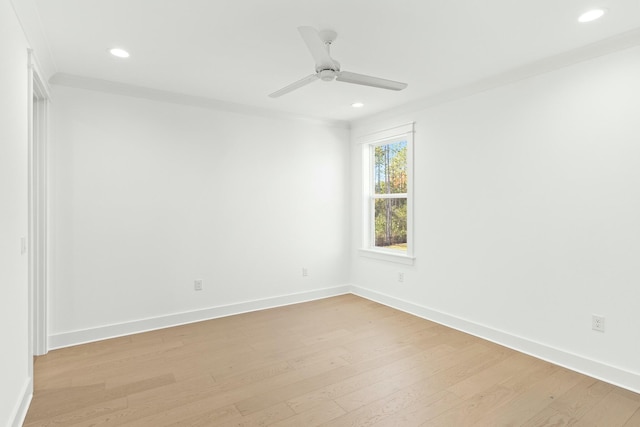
x,y
597,323
400,277
197,285
305,271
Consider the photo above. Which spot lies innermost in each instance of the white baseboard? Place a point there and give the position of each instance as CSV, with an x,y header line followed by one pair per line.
x,y
610,374
20,413
67,339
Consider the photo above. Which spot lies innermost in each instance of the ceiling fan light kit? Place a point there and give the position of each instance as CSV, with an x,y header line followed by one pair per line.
x,y
328,69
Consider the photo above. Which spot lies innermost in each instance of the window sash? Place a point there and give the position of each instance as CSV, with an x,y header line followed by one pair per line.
x,y
369,143
389,196
372,227
382,196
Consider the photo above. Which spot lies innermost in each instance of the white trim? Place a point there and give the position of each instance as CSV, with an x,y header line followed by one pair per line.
x,y
38,208
610,374
110,87
389,256
27,14
67,339
619,42
41,85
20,411
593,368
381,137
391,196
403,132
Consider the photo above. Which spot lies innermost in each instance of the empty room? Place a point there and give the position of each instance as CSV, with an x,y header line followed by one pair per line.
x,y
338,213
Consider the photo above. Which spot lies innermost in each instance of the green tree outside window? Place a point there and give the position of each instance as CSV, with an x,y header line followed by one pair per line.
x,y
390,195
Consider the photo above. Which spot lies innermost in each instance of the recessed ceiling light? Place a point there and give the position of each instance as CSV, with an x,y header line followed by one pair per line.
x,y
357,105
120,53
591,15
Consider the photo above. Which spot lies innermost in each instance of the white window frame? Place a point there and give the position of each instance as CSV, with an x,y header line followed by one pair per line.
x,y
368,142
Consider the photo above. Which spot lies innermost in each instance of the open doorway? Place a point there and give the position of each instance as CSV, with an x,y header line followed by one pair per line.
x,y
38,202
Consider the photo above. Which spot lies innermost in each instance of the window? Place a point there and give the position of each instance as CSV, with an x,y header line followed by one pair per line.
x,y
389,195
387,201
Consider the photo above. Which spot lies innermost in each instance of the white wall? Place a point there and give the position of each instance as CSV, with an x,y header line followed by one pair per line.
x,y
15,381
151,195
527,215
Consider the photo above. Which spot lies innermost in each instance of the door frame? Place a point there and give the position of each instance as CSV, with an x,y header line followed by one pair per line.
x,y
38,111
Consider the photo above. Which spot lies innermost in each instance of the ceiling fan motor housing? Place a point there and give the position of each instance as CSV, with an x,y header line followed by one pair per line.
x,y
327,75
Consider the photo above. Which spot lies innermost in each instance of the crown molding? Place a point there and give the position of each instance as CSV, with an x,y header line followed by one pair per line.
x,y
600,48
106,86
29,19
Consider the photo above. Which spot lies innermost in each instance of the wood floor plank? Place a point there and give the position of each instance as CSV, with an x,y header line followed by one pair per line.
x,y
529,398
427,368
341,361
421,411
389,406
634,420
150,402
370,373
326,412
614,410
549,417
72,417
265,417
73,400
468,412
194,413
514,365
582,397
328,372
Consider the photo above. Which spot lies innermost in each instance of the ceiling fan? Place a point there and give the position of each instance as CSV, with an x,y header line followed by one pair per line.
x,y
328,69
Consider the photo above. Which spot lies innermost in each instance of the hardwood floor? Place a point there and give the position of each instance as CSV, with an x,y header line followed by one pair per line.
x,y
342,361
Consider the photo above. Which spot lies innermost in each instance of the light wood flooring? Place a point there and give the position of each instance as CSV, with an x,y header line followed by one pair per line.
x,y
342,361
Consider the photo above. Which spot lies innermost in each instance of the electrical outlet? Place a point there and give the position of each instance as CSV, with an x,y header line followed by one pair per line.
x,y
305,271
400,277
197,285
597,323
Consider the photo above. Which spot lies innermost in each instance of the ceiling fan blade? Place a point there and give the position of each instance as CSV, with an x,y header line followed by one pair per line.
x,y
293,86
361,79
317,47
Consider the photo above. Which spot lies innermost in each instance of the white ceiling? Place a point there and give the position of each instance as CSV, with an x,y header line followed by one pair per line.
x,y
240,51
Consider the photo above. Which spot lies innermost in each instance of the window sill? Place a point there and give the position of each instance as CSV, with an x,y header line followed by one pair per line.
x,y
387,256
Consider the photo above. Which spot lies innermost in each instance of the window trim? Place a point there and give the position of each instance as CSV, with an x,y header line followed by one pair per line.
x,y
387,136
